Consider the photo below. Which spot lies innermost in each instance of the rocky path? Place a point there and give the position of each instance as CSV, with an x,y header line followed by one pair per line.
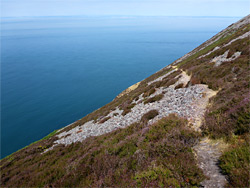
x,y
208,154
189,102
207,151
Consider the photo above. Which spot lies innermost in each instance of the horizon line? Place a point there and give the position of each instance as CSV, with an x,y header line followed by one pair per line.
x,y
9,17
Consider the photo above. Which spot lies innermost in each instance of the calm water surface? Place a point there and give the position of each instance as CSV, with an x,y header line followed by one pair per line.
x,y
55,70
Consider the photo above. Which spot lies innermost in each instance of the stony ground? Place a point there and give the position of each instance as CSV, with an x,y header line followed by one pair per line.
x,y
220,35
223,58
245,35
189,102
208,154
179,101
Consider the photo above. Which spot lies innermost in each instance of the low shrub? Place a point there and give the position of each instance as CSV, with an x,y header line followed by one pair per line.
x,y
170,82
149,115
150,92
163,175
194,81
235,163
154,99
104,119
136,98
127,157
179,86
131,106
126,111
128,108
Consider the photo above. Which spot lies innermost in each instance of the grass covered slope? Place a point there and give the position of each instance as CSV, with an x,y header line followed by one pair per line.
x,y
156,148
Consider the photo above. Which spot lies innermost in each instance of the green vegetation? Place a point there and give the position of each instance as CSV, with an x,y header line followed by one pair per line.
x,y
139,155
154,99
168,80
104,119
221,41
235,162
49,135
150,92
228,113
127,108
158,155
179,86
149,115
228,116
163,175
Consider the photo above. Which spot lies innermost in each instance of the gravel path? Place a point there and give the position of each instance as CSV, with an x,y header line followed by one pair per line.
x,y
179,101
174,101
208,154
189,102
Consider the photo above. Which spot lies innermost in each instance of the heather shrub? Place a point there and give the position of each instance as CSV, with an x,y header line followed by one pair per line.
x,y
104,119
235,163
157,155
127,157
127,108
179,86
154,99
230,53
167,81
194,81
163,175
149,115
170,82
126,111
148,93
227,115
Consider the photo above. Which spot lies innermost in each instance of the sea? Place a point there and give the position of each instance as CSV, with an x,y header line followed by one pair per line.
x,y
56,70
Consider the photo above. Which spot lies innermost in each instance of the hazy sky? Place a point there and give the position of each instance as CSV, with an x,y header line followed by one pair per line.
x,y
17,8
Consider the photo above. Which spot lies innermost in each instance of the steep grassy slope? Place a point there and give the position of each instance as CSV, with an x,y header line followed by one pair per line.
x,y
228,116
146,136
137,155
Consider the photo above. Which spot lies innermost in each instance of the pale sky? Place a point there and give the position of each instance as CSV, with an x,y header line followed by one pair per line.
x,y
20,8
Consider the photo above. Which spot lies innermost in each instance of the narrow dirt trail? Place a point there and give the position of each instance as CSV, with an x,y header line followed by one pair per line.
x,y
208,154
207,151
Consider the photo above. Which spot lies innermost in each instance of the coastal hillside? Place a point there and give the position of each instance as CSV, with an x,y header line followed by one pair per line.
x,y
187,125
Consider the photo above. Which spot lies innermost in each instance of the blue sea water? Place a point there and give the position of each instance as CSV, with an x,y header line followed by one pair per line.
x,y
55,70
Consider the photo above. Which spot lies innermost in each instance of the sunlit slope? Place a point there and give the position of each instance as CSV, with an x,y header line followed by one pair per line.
x,y
149,135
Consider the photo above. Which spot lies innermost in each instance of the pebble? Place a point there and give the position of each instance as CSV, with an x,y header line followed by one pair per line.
x,y
170,103
208,156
